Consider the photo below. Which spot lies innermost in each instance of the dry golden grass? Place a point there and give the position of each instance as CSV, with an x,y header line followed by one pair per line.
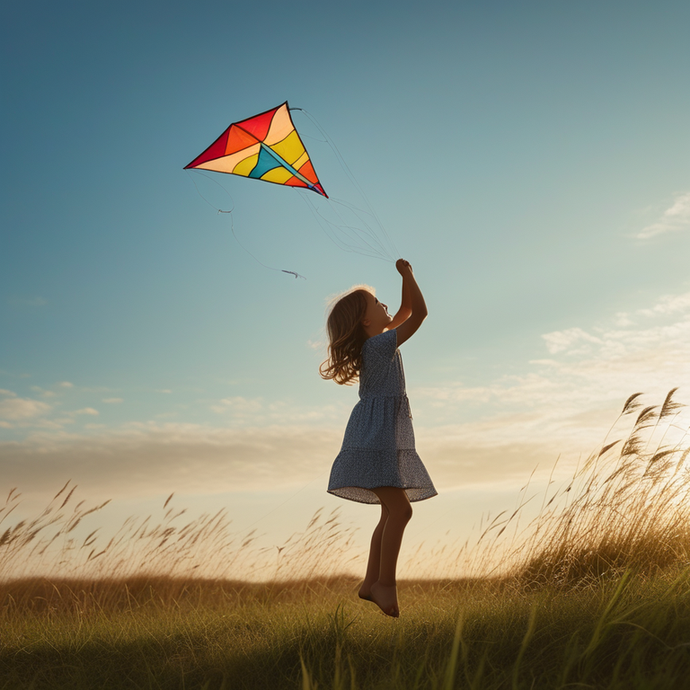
x,y
626,507
56,544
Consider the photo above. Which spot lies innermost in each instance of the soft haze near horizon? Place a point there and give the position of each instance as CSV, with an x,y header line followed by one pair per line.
x,y
531,161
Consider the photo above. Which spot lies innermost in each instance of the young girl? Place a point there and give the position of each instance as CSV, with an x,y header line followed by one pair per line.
x,y
378,462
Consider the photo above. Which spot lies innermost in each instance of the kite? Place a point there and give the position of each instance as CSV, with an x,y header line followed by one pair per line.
x,y
264,147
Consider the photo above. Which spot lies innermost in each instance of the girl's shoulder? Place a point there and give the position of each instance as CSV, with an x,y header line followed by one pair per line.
x,y
382,345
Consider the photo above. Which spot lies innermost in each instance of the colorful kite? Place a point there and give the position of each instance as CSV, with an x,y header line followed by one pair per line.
x,y
265,147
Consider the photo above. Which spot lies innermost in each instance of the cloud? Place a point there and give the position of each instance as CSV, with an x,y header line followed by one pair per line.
x,y
112,401
65,384
558,341
238,405
15,408
560,405
674,218
43,392
140,460
149,458
492,434
669,304
256,411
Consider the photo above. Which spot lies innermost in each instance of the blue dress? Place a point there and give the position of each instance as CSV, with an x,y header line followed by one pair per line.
x,y
378,448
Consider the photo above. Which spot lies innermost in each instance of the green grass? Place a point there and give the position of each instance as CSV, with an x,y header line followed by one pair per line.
x,y
627,632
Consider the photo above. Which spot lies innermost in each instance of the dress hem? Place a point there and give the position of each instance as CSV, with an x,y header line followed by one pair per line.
x,y
362,494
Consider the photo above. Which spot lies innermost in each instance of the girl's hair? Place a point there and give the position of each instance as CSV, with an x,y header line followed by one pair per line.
x,y
346,335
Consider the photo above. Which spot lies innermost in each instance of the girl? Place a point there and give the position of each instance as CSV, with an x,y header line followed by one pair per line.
x,y
378,462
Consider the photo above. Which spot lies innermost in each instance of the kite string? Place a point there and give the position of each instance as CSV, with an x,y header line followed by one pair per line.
x,y
331,231
232,224
352,178
369,232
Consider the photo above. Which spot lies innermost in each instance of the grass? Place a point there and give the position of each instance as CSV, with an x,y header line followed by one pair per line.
x,y
592,593
625,633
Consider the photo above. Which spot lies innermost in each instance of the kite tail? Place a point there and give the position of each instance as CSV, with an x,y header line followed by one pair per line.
x,y
232,227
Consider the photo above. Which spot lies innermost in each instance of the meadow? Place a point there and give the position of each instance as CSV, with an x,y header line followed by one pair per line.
x,y
593,592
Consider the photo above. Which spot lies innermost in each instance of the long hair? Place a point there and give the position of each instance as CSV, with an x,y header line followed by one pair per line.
x,y
346,335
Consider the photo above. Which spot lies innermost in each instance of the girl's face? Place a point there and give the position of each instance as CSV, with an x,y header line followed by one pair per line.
x,y
376,317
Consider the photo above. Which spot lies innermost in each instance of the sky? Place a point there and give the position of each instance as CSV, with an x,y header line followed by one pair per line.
x,y
530,159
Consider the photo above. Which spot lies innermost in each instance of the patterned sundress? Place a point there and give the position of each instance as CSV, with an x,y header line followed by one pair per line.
x,y
379,448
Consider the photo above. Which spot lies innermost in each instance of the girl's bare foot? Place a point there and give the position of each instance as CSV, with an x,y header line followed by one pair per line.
x,y
386,598
365,591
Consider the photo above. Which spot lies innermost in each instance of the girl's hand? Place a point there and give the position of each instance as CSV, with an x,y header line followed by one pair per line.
x,y
403,266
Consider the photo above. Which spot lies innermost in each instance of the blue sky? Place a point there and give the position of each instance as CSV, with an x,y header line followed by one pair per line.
x,y
530,160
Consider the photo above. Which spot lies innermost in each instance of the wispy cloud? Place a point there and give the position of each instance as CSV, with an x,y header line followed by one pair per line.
x,y
238,405
560,341
14,408
112,401
563,404
172,457
674,218
256,411
490,434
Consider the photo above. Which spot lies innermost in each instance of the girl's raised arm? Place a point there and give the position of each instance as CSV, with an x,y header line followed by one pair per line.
x,y
413,308
405,310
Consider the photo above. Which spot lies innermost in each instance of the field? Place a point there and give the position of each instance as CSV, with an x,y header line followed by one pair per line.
x,y
593,593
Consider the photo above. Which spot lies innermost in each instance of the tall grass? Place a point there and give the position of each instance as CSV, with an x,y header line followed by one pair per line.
x,y
625,507
56,543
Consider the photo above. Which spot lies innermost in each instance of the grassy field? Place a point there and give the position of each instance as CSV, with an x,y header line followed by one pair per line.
x,y
593,593
629,632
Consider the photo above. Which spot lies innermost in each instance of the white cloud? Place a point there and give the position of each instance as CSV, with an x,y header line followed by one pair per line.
x,y
669,304
65,384
491,433
237,404
558,341
44,393
256,411
563,404
15,408
7,393
674,218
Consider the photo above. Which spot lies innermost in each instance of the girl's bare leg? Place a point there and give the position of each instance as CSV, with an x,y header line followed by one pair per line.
x,y
374,562
384,591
